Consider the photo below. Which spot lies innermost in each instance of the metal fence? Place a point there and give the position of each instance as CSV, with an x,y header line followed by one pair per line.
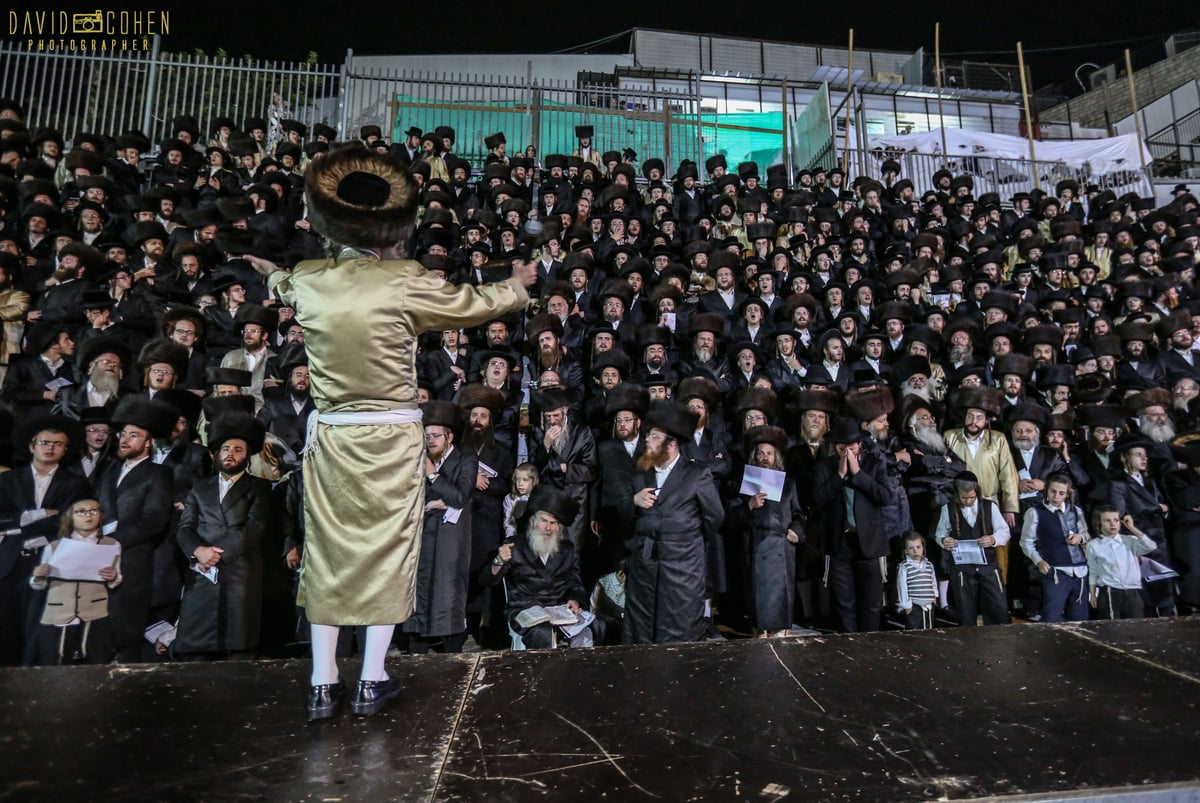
x,y
540,113
113,93
1176,148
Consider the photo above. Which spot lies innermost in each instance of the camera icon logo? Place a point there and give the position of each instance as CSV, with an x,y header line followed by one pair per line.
x,y
88,23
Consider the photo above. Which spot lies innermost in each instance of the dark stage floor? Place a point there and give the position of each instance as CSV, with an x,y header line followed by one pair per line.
x,y
1035,712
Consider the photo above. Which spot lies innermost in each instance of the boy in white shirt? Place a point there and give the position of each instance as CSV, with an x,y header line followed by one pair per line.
x,y
1114,573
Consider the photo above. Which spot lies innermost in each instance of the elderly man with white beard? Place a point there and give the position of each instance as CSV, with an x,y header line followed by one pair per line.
x,y
1151,410
103,361
541,568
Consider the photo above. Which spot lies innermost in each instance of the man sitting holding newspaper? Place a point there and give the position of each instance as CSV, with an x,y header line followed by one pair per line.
x,y
540,571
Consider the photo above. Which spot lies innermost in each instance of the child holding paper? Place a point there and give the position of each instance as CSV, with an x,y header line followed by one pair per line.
x,y
771,531
75,626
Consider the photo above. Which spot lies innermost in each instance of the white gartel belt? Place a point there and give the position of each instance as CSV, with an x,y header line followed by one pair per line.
x,y
364,418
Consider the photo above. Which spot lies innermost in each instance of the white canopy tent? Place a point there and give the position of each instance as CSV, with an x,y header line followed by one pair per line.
x,y
1000,162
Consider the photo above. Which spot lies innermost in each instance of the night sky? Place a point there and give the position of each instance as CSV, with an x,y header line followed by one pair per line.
x,y
289,30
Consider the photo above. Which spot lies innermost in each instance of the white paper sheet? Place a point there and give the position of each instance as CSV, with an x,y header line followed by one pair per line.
x,y
82,560
757,480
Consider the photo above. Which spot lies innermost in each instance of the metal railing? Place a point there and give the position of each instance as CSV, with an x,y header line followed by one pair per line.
x,y
112,93
533,112
1176,147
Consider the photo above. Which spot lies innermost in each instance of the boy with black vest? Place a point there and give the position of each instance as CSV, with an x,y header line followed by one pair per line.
x,y
1053,537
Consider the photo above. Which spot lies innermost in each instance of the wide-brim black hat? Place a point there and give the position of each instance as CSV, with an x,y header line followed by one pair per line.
x,y
672,418
239,426
555,397
61,423
775,436
360,198
480,395
702,388
629,396
103,344
845,430
156,417
265,317
558,504
165,351
439,413
187,403
238,377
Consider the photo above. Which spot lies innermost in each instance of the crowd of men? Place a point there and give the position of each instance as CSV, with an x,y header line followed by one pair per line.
x,y
962,396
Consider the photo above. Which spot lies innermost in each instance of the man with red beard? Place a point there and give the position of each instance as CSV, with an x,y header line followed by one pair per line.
x,y
677,506
136,494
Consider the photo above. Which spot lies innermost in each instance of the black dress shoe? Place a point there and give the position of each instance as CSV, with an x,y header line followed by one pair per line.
x,y
372,694
323,700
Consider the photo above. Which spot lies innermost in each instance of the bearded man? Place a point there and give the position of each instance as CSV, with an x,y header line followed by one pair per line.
x,y
221,532
479,407
677,508
136,495
541,569
103,360
286,409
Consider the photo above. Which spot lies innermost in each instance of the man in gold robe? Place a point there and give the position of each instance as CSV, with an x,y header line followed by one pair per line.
x,y
364,482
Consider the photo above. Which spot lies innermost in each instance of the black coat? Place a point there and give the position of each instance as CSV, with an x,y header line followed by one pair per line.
x,y
20,605
667,579
281,419
443,571
25,384
530,582
141,505
872,495
487,516
769,558
224,615
188,463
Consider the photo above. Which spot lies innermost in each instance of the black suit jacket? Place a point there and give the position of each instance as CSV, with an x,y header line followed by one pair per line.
x,y
141,505
281,419
26,381
16,496
871,491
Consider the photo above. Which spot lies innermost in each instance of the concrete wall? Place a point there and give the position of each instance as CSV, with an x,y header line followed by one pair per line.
x,y
1111,103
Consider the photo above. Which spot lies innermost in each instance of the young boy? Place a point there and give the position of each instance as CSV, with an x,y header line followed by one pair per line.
x,y
916,584
1113,572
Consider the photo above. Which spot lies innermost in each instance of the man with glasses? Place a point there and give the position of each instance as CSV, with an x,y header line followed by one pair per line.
x,y
185,326
256,325
137,496
102,361
30,500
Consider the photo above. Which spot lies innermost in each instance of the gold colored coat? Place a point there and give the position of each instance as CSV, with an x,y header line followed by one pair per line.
x,y
364,489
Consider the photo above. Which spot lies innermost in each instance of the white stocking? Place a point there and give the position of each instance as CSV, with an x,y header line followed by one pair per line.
x,y
944,592
324,654
379,638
